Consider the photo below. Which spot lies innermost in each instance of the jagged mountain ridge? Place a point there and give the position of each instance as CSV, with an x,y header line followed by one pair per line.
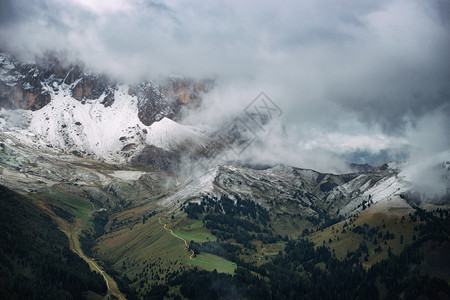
x,y
26,167
289,190
90,115
26,86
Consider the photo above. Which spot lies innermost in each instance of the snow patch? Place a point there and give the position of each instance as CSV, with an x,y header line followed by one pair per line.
x,y
194,188
128,175
111,133
168,134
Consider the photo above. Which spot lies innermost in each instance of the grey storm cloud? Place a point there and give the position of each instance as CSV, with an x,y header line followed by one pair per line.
x,y
339,69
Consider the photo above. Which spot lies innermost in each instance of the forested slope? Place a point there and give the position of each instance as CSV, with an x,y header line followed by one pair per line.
x,y
35,259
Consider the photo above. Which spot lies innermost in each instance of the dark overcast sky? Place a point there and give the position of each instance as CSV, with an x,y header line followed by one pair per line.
x,y
350,75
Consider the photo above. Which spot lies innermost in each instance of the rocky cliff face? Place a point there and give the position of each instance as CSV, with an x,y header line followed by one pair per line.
x,y
170,98
293,191
90,115
20,85
23,86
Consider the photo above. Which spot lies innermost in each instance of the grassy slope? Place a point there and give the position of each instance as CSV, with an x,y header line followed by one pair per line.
x,y
82,210
146,253
289,225
36,237
193,230
143,252
66,201
210,262
350,241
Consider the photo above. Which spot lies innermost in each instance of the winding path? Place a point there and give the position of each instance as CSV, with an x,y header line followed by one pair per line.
x,y
262,253
91,262
179,237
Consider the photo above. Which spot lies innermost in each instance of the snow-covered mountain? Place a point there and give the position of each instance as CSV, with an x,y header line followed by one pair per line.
x,y
57,123
111,132
288,190
89,115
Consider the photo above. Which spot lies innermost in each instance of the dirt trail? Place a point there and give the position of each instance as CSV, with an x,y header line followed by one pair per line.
x,y
262,253
115,292
179,237
63,227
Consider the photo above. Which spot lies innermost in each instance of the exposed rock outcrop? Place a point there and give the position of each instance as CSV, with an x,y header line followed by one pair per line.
x,y
20,85
157,158
26,86
169,99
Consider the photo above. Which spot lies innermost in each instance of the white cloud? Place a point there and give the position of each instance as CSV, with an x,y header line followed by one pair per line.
x,y
348,75
343,143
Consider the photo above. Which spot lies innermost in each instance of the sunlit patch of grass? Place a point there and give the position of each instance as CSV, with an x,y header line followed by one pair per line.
x,y
77,206
193,231
213,262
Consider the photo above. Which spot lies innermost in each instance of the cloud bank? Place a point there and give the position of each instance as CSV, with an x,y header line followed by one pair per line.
x,y
351,76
